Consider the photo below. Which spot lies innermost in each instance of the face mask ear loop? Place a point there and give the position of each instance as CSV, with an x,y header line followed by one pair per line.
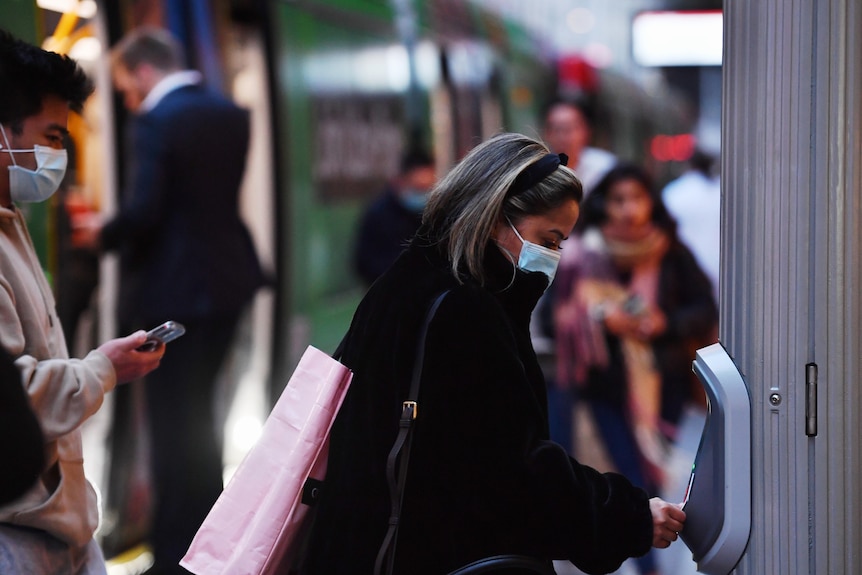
x,y
514,229
8,147
511,257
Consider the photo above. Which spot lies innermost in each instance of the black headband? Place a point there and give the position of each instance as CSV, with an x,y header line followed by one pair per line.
x,y
536,172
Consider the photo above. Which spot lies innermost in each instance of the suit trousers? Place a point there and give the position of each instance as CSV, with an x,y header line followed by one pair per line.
x,y
185,446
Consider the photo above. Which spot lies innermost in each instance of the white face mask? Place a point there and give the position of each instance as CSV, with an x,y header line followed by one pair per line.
x,y
536,258
35,185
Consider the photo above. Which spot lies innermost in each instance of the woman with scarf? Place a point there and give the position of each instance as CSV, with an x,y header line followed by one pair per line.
x,y
631,306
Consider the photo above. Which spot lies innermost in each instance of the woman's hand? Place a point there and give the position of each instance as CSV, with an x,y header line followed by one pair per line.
x,y
667,522
643,326
652,324
621,323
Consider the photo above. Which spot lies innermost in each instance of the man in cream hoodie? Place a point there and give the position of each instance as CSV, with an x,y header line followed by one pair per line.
x,y
49,530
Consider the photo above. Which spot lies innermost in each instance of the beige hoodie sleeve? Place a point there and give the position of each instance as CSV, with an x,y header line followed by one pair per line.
x,y
65,392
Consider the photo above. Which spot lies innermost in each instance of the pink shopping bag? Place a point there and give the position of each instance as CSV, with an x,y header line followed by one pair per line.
x,y
252,528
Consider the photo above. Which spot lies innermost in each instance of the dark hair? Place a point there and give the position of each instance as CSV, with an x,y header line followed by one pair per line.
x,y
29,73
593,207
416,158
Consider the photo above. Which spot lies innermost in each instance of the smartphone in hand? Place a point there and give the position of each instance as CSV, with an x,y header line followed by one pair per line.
x,y
168,331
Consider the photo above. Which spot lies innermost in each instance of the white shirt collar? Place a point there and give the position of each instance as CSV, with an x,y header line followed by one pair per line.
x,y
166,85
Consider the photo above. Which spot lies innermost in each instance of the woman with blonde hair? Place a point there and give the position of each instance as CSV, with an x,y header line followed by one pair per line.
x,y
483,478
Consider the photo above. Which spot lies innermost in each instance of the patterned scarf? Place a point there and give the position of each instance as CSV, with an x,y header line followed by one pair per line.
x,y
592,277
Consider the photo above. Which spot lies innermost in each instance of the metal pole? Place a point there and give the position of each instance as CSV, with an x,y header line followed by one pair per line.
x,y
791,303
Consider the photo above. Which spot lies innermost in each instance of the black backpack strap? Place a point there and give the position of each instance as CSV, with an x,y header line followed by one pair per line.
x,y
409,412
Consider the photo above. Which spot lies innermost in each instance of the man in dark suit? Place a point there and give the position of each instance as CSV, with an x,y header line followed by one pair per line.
x,y
185,256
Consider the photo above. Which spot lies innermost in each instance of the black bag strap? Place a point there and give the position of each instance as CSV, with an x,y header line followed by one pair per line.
x,y
386,554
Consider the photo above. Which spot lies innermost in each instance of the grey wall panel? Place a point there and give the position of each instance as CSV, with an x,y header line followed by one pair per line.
x,y
840,526
791,288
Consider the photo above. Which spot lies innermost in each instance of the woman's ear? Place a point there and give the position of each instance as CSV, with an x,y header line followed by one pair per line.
x,y
499,230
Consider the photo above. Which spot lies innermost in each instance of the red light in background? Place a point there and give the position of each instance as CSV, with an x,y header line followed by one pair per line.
x,y
660,148
576,72
672,148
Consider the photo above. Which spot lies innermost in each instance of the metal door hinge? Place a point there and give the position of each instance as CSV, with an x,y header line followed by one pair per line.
x,y
811,399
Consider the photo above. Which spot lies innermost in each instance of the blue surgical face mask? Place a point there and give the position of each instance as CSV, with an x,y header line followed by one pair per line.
x,y
35,185
414,200
536,258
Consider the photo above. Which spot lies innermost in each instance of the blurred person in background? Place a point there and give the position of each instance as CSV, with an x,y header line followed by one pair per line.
x,y
49,529
632,306
186,256
568,129
80,195
390,221
77,267
483,477
694,201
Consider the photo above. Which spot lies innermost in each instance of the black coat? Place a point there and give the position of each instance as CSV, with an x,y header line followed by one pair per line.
x,y
483,477
186,254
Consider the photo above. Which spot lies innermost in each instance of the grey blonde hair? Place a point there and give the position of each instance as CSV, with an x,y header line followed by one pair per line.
x,y
149,45
467,204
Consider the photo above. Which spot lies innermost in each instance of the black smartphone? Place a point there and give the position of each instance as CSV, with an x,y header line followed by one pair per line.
x,y
168,331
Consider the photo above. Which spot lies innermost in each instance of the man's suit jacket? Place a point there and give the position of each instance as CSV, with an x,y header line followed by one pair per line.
x,y
185,252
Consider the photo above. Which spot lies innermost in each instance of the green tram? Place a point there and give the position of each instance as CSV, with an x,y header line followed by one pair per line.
x,y
351,91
